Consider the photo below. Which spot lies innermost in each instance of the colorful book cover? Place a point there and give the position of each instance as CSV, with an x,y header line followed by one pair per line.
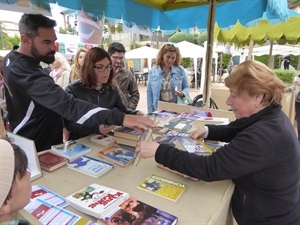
x,y
192,145
97,200
134,211
163,187
71,149
118,155
90,166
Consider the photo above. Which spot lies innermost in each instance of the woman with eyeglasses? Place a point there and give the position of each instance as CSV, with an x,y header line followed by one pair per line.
x,y
168,80
96,85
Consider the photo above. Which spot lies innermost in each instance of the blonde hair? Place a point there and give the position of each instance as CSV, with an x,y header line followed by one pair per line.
x,y
168,48
256,78
75,75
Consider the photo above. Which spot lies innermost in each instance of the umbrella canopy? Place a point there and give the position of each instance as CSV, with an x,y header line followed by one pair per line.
x,y
141,53
262,30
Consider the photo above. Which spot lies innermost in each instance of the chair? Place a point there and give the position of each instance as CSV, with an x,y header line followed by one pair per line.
x,y
198,101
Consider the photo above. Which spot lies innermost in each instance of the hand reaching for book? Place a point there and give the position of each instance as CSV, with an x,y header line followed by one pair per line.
x,y
199,133
137,122
104,129
147,149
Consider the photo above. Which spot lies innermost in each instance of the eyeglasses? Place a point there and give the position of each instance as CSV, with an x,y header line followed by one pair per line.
x,y
101,68
117,58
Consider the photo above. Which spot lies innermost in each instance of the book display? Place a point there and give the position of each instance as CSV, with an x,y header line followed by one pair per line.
x,y
90,166
97,200
162,187
50,161
135,211
71,149
118,155
104,140
29,148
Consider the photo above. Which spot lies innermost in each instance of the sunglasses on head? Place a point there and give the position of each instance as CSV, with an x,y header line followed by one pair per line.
x,y
169,46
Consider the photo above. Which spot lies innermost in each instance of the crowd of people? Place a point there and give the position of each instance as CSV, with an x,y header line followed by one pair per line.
x,y
262,155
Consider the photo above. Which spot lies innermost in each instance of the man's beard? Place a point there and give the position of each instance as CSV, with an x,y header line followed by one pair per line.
x,y
49,58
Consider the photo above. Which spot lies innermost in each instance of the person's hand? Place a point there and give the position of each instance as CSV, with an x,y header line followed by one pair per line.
x,y
104,129
140,113
199,133
137,122
147,149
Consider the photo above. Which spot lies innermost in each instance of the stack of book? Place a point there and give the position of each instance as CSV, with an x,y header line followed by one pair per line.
x,y
126,136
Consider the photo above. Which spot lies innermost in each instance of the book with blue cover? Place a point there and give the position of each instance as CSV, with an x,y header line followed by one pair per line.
x,y
118,155
71,149
90,166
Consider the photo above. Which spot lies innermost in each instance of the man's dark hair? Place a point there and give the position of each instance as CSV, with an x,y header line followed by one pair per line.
x,y
15,47
116,47
30,23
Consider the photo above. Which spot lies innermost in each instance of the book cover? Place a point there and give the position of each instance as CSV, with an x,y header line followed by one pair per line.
x,y
97,200
146,136
183,120
103,139
193,146
164,114
178,126
118,155
134,211
176,172
125,132
163,187
169,140
71,149
43,193
29,148
175,133
90,166
50,161
160,130
125,141
50,214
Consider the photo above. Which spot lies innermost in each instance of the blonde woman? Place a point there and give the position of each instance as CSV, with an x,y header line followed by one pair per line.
x,y
61,70
75,74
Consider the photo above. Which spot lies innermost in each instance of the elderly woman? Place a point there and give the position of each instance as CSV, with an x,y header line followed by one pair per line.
x,y
262,156
168,80
61,70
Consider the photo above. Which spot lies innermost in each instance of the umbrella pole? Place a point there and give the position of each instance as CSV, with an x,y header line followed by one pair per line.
x,y
271,57
251,44
209,50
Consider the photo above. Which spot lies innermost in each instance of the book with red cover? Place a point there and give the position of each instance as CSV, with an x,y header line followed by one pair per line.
x,y
50,161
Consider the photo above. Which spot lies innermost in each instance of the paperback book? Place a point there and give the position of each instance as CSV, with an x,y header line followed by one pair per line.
x,y
50,161
118,155
128,133
164,114
178,126
169,140
90,166
97,200
194,146
43,193
163,187
47,213
29,148
146,136
71,149
104,140
125,141
134,211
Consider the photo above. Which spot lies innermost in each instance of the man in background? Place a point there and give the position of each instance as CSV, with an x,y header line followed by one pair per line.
x,y
125,78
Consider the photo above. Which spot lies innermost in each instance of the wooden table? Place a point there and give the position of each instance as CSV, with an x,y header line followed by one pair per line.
x,y
202,202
